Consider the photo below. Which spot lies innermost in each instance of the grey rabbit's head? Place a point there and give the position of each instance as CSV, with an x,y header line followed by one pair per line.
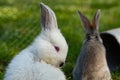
x,y
91,29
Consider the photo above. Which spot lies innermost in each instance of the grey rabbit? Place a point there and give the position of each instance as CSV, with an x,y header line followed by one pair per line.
x,y
91,63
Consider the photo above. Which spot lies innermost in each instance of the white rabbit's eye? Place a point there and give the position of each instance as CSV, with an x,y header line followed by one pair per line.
x,y
57,48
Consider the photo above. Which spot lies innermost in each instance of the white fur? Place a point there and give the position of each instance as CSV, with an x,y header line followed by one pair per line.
x,y
40,61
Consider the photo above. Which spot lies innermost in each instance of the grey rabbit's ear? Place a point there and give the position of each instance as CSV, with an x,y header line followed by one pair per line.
x,y
48,18
85,22
95,21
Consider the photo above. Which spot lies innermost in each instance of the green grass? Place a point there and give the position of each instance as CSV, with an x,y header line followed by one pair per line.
x,y
20,24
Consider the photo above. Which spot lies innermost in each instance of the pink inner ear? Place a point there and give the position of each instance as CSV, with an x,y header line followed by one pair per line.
x,y
57,48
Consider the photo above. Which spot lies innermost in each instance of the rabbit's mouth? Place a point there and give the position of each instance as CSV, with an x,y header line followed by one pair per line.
x,y
61,64
53,62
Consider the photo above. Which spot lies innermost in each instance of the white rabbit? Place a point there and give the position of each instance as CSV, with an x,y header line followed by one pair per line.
x,y
91,63
44,57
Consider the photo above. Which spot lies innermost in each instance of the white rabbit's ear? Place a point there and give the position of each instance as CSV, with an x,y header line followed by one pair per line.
x,y
95,21
85,22
48,18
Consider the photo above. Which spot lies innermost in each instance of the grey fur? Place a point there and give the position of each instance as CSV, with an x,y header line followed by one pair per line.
x,y
91,63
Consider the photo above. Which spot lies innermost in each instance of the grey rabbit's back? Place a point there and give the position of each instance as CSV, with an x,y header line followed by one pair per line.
x,y
93,61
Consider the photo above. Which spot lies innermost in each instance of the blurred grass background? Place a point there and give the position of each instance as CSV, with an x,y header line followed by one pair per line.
x,y
20,24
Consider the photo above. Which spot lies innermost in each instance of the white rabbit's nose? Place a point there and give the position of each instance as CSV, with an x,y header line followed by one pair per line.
x,y
61,64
